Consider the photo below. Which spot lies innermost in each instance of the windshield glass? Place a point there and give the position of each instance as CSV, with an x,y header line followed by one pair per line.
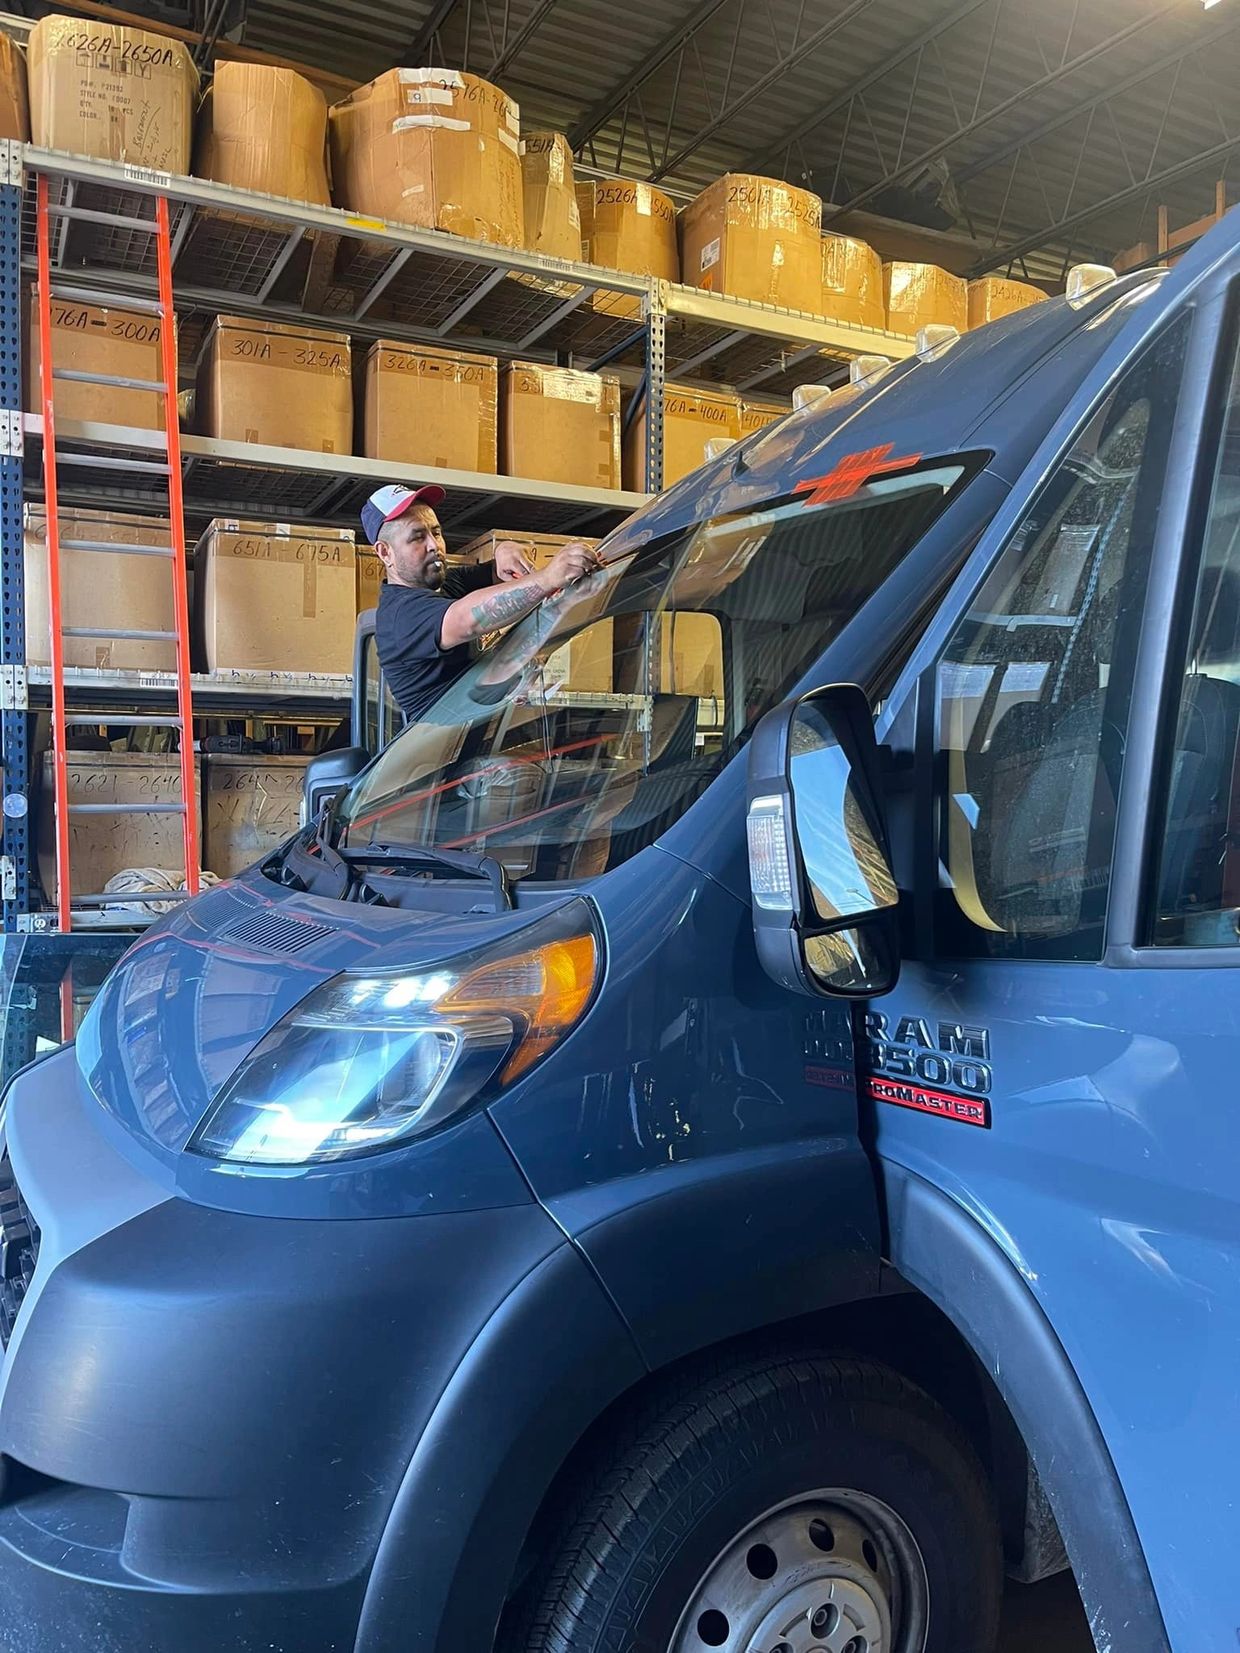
x,y
578,738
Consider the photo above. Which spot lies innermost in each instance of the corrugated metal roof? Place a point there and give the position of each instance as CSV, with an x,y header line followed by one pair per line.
x,y
573,55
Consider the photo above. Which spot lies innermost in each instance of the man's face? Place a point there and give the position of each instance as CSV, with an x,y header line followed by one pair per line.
x,y
412,549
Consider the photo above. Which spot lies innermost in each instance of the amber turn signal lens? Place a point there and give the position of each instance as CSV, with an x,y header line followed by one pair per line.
x,y
545,991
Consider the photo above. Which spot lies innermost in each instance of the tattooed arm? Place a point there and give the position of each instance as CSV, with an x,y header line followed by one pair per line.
x,y
497,607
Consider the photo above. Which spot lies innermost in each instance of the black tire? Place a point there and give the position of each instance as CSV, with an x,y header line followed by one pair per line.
x,y
709,1457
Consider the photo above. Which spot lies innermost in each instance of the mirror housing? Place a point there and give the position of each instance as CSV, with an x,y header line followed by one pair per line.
x,y
824,896
327,775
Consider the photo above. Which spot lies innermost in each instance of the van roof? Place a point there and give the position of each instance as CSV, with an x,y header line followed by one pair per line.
x,y
998,389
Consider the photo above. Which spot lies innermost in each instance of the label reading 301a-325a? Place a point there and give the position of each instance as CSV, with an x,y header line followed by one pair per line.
x,y
940,1068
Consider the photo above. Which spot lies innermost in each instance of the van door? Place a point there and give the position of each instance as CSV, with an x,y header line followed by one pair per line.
x,y
375,717
1054,1079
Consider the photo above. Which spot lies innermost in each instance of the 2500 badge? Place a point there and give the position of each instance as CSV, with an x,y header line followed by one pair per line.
x,y
946,1072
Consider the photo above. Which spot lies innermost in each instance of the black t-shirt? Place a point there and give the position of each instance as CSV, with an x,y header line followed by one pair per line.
x,y
407,627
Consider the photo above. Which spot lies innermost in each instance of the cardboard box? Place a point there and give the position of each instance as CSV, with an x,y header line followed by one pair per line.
x,y
275,597
14,107
117,94
91,339
585,662
691,419
922,295
690,647
250,806
755,238
994,296
431,147
852,282
264,128
277,384
758,415
560,425
628,226
552,216
98,588
691,655
100,846
539,548
427,406
369,578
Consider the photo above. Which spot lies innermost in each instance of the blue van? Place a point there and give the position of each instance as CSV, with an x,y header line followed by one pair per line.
x,y
736,1161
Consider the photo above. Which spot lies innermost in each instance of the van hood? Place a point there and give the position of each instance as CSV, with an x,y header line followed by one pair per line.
x,y
190,1001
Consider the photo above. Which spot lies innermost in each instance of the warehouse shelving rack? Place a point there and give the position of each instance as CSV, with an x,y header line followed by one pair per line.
x,y
241,253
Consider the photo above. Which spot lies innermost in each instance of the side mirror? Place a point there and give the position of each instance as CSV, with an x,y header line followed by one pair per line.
x,y
824,896
328,774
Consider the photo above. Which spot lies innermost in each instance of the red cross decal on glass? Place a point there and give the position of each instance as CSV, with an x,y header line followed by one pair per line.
x,y
852,472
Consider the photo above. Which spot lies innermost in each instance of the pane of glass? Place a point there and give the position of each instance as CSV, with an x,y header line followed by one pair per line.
x,y
1198,903
587,730
1034,689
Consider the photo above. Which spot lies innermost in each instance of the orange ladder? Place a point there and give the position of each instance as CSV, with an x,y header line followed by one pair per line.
x,y
166,387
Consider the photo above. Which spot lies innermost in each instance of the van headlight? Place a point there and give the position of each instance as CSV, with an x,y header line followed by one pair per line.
x,y
369,1061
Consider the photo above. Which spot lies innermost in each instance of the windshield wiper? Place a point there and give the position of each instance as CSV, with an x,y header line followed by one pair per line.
x,y
456,860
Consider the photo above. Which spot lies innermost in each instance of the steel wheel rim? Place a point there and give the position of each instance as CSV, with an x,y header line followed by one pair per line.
x,y
833,1571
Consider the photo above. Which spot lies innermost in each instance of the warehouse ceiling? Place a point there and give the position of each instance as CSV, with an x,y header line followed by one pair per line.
x,y
1046,131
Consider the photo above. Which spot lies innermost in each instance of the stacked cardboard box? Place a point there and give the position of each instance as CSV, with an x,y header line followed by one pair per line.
x,y
552,216
100,846
756,415
690,654
560,425
14,106
89,339
691,419
250,806
280,385
434,148
627,226
273,596
97,589
369,578
755,238
118,94
852,282
584,663
994,296
427,406
264,128
922,295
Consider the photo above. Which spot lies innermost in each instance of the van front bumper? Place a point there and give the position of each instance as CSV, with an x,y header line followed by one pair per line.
x,y
206,1417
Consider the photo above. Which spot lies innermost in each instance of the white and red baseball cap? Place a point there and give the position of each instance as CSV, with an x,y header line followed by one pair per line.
x,y
393,500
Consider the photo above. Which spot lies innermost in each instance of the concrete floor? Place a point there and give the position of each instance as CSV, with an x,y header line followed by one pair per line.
x,y
1038,1616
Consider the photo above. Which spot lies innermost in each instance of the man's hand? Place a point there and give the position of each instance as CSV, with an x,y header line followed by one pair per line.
x,y
511,562
574,562
497,607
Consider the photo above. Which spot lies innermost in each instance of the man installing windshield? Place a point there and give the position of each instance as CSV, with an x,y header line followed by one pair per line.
x,y
428,616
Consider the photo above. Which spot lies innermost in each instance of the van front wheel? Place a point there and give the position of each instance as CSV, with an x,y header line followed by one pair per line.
x,y
795,1505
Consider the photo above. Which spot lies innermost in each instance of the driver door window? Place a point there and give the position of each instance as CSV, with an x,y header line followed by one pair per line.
x,y
1033,690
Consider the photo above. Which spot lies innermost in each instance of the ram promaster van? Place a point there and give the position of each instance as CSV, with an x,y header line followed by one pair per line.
x,y
736,1161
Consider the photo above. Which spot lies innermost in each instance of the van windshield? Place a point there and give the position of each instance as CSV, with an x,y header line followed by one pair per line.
x,y
580,736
